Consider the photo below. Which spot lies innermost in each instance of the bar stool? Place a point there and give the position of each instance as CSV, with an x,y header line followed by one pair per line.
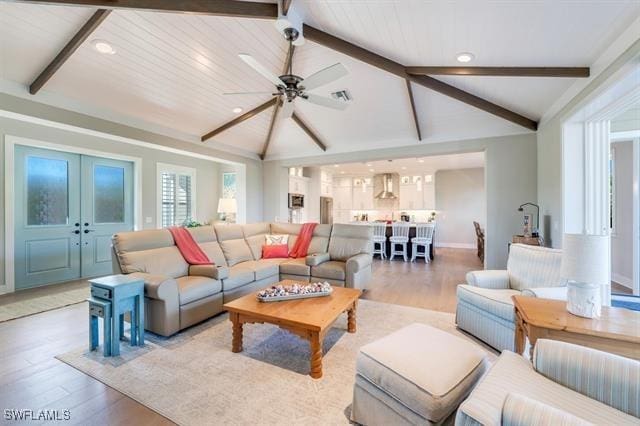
x,y
100,309
423,238
399,236
380,238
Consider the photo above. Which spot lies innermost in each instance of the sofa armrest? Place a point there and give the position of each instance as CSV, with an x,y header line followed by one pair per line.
x,y
556,293
608,378
519,410
159,287
492,278
317,258
211,271
358,262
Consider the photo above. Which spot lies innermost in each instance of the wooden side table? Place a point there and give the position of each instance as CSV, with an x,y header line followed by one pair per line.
x,y
617,331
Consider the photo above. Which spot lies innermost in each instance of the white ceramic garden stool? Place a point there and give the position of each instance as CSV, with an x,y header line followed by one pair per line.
x,y
399,237
423,238
380,240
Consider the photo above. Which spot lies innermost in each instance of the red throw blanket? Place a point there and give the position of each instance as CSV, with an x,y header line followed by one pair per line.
x,y
188,247
301,245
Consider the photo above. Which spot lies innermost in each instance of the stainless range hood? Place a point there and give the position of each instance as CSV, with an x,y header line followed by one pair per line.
x,y
387,188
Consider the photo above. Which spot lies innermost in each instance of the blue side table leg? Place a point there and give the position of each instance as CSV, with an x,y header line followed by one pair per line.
x,y
115,334
121,317
93,332
133,331
140,319
106,324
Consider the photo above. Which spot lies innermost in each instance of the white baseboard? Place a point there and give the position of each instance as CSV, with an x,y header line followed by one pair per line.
x,y
622,280
457,245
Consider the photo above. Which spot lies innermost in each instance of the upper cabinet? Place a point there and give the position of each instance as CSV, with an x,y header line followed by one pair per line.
x,y
363,194
298,185
326,184
417,192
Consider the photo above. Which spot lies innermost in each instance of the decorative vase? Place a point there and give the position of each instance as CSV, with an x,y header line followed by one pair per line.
x,y
583,299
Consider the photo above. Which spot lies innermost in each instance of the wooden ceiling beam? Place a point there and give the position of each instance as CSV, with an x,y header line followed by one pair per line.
x,y
247,115
230,8
286,4
571,72
357,52
68,50
413,109
296,118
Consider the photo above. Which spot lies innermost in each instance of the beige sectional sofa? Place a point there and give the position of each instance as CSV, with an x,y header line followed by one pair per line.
x,y
178,295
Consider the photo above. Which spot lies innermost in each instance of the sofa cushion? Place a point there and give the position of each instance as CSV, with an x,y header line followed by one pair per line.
x,y
291,229
532,266
513,373
295,267
333,270
349,240
275,251
150,251
493,301
320,239
408,365
239,275
206,238
254,235
233,244
519,410
194,288
264,269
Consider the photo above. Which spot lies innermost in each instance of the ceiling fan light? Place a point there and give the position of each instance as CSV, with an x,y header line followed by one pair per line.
x,y
237,110
465,57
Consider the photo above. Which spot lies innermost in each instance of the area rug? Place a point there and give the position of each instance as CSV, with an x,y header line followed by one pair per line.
x,y
626,301
43,303
193,378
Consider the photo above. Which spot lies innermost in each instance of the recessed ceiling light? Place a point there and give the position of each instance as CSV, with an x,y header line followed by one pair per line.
x,y
372,170
237,110
335,165
465,57
369,164
420,160
404,168
342,172
103,47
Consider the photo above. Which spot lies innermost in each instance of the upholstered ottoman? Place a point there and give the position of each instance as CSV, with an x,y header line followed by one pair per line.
x,y
416,375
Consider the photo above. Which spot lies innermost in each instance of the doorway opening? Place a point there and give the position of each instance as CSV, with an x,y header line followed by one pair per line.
x,y
66,208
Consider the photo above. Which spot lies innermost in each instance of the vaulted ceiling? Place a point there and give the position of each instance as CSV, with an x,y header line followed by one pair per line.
x,y
171,70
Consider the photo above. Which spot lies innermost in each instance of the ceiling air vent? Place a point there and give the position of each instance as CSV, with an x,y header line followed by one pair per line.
x,y
341,95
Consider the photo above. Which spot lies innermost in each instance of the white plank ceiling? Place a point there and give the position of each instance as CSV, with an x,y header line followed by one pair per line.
x,y
171,70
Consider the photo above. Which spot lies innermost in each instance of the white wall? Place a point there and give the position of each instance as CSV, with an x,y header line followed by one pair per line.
x,y
622,236
460,200
111,137
510,163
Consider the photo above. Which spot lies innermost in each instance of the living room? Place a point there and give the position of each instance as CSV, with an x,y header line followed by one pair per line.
x,y
151,244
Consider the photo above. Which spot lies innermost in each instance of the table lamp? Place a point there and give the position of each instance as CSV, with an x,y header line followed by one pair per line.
x,y
227,207
585,266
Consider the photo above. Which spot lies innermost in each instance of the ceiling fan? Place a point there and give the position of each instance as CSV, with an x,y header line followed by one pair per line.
x,y
289,86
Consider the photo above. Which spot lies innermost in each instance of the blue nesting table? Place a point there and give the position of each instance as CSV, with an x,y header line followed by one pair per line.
x,y
111,298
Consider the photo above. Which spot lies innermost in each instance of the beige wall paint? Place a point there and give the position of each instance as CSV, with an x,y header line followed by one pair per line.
x,y
510,163
208,172
460,200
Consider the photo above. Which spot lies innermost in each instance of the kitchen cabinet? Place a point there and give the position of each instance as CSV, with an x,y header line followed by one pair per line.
x,y
298,185
410,198
326,184
363,197
342,198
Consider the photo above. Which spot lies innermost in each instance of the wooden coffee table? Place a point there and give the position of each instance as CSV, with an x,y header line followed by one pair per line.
x,y
308,318
616,331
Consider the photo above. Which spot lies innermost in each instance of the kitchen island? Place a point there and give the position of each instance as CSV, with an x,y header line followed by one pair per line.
x,y
412,233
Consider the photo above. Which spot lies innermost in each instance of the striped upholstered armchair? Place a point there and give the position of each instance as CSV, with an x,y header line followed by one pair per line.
x,y
565,385
485,308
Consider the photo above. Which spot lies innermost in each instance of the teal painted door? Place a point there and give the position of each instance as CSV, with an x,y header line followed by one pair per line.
x,y
107,208
67,207
47,217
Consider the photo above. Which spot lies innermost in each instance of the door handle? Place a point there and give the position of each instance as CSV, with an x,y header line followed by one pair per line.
x,y
77,231
86,231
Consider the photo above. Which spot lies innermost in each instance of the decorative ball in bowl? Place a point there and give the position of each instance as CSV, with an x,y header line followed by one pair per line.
x,y
294,291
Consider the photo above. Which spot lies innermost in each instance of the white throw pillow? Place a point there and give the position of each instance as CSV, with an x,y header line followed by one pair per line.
x,y
276,239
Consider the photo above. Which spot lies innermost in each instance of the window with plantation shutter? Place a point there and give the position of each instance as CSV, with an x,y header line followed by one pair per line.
x,y
175,193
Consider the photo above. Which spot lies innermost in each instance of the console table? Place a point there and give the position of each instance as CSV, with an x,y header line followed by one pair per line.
x,y
616,331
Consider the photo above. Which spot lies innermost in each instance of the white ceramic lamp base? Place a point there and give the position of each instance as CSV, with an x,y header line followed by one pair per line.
x,y
583,299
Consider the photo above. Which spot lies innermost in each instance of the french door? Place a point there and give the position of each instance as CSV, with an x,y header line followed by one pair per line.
x,y
67,207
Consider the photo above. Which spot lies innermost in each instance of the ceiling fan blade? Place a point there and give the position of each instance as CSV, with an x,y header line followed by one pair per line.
x,y
324,76
325,102
249,60
251,93
287,109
